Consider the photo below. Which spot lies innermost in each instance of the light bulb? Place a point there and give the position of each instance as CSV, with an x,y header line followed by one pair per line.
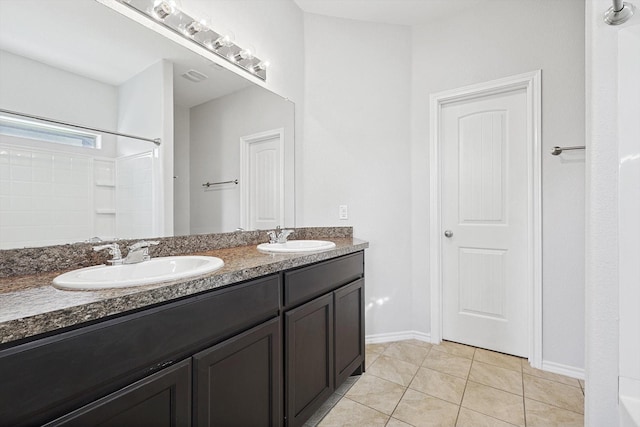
x,y
220,42
193,28
261,66
163,8
243,54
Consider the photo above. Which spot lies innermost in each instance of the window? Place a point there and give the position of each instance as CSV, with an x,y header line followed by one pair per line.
x,y
39,131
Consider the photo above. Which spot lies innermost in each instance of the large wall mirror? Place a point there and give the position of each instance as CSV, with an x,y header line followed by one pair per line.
x,y
226,155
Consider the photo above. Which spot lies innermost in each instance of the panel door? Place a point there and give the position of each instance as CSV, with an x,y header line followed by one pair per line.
x,y
485,220
160,400
308,358
237,382
349,330
265,177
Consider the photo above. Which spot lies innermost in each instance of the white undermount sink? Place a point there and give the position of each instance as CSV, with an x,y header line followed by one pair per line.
x,y
155,270
295,246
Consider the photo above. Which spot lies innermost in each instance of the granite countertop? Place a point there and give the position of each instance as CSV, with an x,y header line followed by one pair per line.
x,y
30,305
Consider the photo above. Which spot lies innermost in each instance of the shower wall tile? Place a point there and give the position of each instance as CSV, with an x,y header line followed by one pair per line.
x,y
45,198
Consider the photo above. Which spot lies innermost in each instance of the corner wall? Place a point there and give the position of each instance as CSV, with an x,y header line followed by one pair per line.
x,y
357,151
497,40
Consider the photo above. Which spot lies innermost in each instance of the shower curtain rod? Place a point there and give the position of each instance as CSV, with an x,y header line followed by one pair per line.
x,y
58,122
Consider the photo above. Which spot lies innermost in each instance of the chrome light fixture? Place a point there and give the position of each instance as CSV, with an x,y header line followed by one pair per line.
x,y
168,14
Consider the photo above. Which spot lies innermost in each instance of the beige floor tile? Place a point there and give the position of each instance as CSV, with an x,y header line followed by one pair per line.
x,y
495,403
554,393
497,377
397,371
424,344
581,383
540,414
455,349
498,359
407,352
437,384
527,369
469,418
419,409
377,348
376,393
393,422
369,358
352,414
447,363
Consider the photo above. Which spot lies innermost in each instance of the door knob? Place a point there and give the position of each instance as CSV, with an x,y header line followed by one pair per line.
x,y
448,233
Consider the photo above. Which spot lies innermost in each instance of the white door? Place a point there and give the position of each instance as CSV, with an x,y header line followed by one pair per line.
x,y
485,217
262,191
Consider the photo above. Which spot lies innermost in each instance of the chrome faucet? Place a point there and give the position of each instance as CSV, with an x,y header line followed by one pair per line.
x,y
278,235
139,252
114,251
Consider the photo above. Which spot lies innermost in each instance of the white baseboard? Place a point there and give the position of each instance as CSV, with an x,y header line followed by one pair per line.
x,y
566,370
397,336
556,368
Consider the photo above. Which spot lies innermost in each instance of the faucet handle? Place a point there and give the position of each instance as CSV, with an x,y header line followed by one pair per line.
x,y
143,244
114,250
284,234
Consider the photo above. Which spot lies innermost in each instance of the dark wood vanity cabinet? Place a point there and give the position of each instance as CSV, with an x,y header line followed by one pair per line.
x,y
308,358
349,330
52,377
324,337
162,399
267,352
238,382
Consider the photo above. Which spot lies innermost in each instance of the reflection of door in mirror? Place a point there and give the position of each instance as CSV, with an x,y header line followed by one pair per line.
x,y
262,167
214,133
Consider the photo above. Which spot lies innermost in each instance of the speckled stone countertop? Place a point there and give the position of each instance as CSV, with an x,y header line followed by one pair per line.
x,y
30,305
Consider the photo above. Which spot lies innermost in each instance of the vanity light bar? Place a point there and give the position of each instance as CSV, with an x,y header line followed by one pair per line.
x,y
167,13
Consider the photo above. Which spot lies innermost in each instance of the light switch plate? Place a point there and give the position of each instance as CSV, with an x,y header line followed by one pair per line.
x,y
343,212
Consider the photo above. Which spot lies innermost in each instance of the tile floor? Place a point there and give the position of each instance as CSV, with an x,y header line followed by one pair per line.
x,y
413,383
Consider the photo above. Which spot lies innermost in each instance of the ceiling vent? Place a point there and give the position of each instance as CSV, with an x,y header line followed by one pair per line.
x,y
194,76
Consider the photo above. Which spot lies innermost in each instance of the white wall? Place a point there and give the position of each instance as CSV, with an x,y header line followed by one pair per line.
x,y
497,40
36,88
357,151
145,108
181,182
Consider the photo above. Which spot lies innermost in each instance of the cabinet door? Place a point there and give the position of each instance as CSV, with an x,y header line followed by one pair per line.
x,y
238,382
160,400
349,330
308,358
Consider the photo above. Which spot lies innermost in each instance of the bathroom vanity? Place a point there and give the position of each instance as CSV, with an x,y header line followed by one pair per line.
x,y
264,351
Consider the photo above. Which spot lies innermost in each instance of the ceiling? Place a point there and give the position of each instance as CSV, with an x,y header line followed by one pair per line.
x,y
401,12
91,40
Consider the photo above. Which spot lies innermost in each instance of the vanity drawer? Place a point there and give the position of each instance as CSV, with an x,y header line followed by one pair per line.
x,y
51,376
305,283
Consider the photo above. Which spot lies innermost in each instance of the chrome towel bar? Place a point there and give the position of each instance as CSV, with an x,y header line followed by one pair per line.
x,y
209,184
558,150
